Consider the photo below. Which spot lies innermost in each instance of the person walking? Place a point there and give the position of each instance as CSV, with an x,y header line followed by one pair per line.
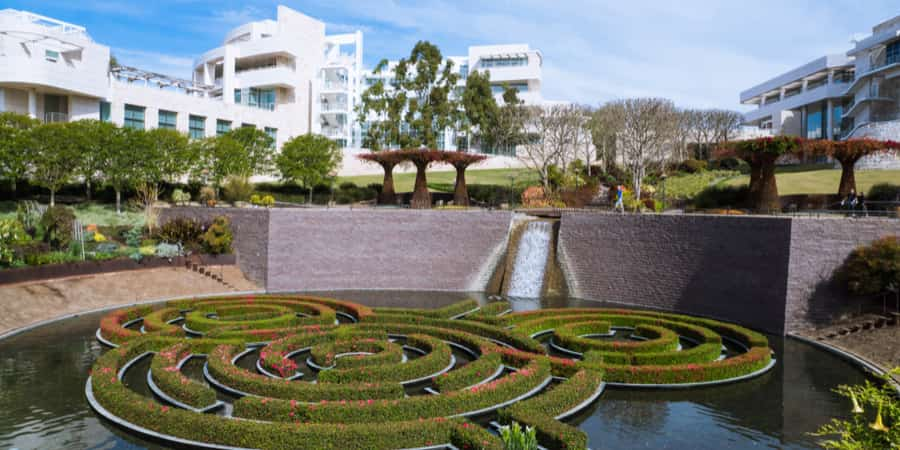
x,y
849,203
861,201
620,199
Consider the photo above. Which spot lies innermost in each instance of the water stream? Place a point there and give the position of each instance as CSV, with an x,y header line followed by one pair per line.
x,y
527,278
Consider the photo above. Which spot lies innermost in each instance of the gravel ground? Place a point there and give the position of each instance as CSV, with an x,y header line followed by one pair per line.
x,y
27,303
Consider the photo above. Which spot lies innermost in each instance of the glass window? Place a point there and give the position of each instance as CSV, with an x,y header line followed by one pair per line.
x,y
197,127
499,88
134,117
464,71
237,96
814,121
273,133
104,111
167,119
836,117
51,55
892,53
222,127
505,62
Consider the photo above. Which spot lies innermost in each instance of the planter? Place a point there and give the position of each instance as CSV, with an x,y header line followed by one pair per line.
x,y
35,273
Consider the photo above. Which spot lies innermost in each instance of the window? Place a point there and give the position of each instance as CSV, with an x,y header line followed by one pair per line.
x,y
167,119
464,71
197,127
815,119
248,125
505,62
134,117
237,96
499,88
836,116
892,53
222,127
259,98
273,133
51,55
104,111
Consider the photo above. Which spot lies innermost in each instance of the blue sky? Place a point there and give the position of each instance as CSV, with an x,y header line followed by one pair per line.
x,y
699,53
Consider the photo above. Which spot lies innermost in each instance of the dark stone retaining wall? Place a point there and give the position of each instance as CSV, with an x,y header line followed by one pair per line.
x,y
732,268
251,234
769,273
818,246
384,249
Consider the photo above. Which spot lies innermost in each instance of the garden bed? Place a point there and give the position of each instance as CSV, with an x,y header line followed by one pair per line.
x,y
36,273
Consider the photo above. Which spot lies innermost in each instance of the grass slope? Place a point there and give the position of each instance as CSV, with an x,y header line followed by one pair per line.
x,y
88,213
823,181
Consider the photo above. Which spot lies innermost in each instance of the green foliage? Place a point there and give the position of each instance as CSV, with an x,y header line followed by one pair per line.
x,y
169,250
229,155
218,237
168,157
180,230
11,232
237,189
134,236
174,383
56,150
180,197
516,438
208,196
730,164
16,145
883,192
29,213
266,201
722,197
258,147
693,166
875,421
308,160
56,226
872,269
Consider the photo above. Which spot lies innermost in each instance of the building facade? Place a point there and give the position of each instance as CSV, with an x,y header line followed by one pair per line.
x,y
851,95
285,76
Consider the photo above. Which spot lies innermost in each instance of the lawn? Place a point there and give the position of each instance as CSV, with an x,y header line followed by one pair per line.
x,y
88,213
823,181
403,182
686,186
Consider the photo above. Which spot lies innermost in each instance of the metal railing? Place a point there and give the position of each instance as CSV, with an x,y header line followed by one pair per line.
x,y
55,117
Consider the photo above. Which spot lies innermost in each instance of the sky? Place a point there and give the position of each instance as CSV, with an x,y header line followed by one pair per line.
x,y
698,53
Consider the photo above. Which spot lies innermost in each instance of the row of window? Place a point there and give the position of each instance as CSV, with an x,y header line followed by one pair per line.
x,y
134,118
892,53
504,62
500,88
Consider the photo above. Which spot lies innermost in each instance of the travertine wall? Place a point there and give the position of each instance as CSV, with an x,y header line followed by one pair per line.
x,y
384,249
731,268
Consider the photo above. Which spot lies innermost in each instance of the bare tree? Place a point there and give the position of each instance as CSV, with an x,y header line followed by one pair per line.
x,y
648,125
725,124
558,133
604,126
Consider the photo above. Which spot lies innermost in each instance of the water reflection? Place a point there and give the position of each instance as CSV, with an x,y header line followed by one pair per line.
x,y
42,376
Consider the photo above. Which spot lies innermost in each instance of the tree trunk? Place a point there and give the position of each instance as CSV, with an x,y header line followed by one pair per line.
x,y
52,198
15,194
421,198
848,177
309,202
118,201
87,191
460,192
755,171
768,200
387,195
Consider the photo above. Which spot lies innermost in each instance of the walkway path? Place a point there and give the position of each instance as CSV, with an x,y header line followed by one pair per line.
x,y
28,303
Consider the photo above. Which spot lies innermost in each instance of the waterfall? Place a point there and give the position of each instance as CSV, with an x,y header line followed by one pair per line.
x,y
527,278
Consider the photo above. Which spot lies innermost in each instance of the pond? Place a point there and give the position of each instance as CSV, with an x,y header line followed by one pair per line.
x,y
43,374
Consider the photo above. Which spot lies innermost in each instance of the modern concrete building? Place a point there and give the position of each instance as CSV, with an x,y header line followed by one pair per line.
x,y
285,76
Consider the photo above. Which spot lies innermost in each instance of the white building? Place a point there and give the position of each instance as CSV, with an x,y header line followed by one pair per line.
x,y
284,76
841,96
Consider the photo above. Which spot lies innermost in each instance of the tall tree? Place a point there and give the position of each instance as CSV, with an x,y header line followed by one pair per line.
x,y
16,149
56,153
725,124
122,160
387,159
259,149
481,109
558,132
308,160
647,128
761,155
604,125
169,156
381,109
461,161
430,81
94,138
218,158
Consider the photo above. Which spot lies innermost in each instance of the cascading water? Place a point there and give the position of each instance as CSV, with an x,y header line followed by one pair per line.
x,y
530,265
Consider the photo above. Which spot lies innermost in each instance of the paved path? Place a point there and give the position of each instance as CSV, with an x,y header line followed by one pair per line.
x,y
27,303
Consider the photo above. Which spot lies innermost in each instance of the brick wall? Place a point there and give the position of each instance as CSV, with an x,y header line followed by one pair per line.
x,y
818,246
251,235
732,268
384,249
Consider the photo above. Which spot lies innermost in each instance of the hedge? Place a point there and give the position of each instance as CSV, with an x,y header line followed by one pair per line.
x,y
755,359
168,377
445,312
540,412
438,358
372,410
470,374
111,324
510,337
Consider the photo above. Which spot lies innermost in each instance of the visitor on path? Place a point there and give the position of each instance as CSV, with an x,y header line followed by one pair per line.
x,y
861,201
620,199
849,203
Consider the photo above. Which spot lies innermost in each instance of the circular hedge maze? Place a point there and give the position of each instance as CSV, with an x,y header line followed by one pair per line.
x,y
280,371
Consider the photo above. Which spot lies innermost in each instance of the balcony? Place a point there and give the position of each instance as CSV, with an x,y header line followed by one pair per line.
x,y
335,132
335,108
335,85
56,117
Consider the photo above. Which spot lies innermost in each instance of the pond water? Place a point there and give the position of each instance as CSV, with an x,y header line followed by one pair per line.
x,y
43,374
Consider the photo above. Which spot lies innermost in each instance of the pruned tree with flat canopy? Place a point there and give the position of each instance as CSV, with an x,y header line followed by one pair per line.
x,y
461,161
848,153
761,154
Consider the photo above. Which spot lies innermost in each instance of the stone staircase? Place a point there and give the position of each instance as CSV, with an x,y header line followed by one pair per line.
x,y
857,325
196,265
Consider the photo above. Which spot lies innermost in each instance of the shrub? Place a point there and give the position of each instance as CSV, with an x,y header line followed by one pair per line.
x,y
29,252
515,438
208,196
347,185
237,189
218,237
168,377
181,230
29,213
730,164
693,166
872,269
883,192
534,197
133,236
11,232
857,432
180,197
56,225
169,250
722,197
266,200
